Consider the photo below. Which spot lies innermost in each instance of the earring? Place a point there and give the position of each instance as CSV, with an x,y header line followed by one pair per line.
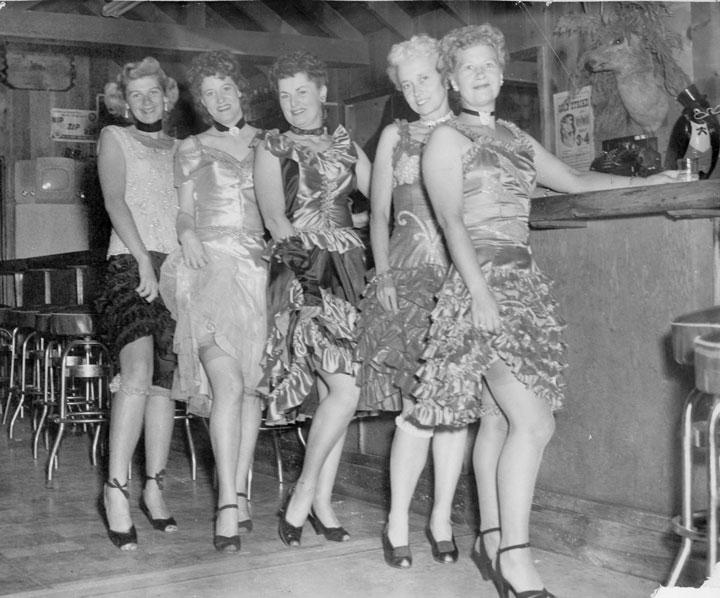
x,y
127,112
165,105
323,100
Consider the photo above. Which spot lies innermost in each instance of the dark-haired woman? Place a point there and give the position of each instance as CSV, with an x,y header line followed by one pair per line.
x,y
303,180
215,285
135,167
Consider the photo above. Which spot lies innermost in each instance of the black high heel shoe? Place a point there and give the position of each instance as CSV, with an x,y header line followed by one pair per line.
x,y
162,525
227,543
289,534
482,559
399,557
246,525
123,540
444,551
334,534
506,587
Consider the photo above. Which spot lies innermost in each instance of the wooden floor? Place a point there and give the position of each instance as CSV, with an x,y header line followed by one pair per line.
x,y
53,542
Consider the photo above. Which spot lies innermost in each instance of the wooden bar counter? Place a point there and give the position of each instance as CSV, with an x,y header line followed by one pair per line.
x,y
625,263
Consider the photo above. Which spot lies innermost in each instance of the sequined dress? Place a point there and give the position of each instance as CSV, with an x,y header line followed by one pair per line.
x,y
313,305
150,197
225,302
390,344
498,178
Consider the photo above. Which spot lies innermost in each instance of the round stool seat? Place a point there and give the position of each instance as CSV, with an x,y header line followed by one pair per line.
x,y
74,320
22,317
686,328
707,363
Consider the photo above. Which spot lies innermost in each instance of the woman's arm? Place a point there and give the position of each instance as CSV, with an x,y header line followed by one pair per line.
x,y
555,174
380,204
363,171
443,175
270,194
112,173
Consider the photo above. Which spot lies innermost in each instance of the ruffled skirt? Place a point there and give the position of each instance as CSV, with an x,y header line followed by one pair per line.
x,y
125,316
313,316
390,344
224,304
457,354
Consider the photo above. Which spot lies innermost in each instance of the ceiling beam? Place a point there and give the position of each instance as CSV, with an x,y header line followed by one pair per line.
x,y
266,17
333,22
56,28
196,15
21,5
462,10
393,17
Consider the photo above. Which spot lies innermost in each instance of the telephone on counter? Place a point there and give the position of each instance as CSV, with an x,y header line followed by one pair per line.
x,y
629,156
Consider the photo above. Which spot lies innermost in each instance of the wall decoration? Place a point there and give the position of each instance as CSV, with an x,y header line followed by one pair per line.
x,y
574,127
35,70
74,125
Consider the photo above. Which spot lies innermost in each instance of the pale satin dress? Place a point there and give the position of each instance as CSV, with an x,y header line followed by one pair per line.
x,y
225,302
498,179
390,344
313,304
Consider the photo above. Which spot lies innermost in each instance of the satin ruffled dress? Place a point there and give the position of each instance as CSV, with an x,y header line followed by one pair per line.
x,y
390,344
225,302
313,314
498,179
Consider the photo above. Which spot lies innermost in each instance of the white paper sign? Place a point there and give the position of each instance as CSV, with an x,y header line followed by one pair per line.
x,y
74,125
574,127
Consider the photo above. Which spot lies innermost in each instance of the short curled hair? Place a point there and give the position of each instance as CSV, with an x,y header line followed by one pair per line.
x,y
147,67
290,64
217,63
467,37
416,46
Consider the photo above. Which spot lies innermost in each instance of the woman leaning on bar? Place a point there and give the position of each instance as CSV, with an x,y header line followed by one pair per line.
x,y
495,347
135,164
303,179
215,285
411,264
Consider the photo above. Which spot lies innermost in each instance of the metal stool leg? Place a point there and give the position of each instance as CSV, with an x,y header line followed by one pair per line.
x,y
713,500
686,516
191,446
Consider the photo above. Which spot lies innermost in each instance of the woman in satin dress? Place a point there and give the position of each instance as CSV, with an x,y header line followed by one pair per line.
x,y
496,347
215,285
304,178
411,264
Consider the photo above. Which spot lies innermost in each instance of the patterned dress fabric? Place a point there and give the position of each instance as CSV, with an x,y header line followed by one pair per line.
x,y
498,178
223,303
313,299
149,194
390,344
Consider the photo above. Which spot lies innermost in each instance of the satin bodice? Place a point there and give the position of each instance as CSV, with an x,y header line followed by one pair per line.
x,y
149,192
498,179
224,193
416,239
317,184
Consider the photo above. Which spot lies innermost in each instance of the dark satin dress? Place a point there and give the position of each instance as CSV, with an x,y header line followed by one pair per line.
x,y
316,280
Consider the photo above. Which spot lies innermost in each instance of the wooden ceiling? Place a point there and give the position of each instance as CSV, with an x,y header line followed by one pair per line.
x,y
261,29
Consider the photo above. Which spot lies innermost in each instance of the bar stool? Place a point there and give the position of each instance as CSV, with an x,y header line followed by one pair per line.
x,y
26,361
85,373
696,340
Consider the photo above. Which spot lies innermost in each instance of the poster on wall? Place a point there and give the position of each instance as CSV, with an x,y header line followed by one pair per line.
x,y
79,126
574,126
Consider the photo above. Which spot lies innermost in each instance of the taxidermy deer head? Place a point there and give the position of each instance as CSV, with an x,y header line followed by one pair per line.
x,y
640,79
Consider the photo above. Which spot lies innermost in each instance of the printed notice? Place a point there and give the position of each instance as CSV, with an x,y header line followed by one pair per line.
x,y
574,126
74,125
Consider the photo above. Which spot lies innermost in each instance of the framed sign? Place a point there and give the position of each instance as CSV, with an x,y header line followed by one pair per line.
x,y
35,70
74,125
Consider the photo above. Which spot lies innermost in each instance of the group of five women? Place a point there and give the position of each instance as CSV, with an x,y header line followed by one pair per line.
x,y
455,324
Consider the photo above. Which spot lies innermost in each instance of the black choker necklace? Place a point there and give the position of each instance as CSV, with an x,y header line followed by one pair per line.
x,y
485,117
234,130
297,131
151,128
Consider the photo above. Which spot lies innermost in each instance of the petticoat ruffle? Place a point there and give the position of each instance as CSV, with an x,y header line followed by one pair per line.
x,y
390,344
457,354
302,340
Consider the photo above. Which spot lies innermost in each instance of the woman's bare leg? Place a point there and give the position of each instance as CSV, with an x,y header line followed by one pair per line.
x,y
448,449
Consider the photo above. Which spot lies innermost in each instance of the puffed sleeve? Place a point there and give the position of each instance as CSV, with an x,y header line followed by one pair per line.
x,y
187,161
